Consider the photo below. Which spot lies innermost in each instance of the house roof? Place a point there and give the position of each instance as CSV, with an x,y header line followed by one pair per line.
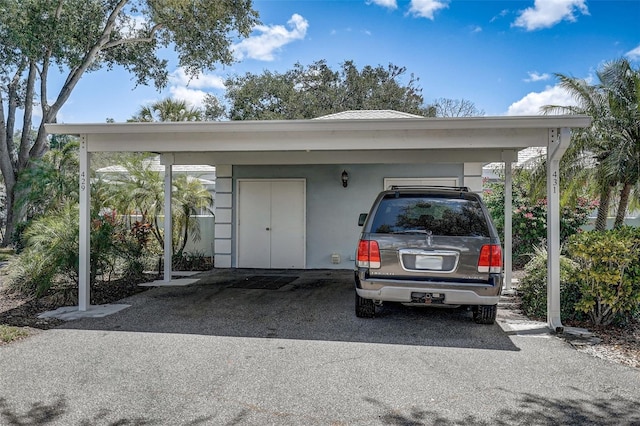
x,y
525,158
368,114
155,165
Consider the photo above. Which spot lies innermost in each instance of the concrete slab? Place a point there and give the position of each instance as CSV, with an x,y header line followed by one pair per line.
x,y
69,313
184,273
180,282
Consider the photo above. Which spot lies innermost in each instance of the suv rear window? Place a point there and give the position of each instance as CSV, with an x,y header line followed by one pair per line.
x,y
440,215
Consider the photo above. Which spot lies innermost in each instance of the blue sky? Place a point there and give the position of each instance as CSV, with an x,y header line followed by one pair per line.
x,y
501,55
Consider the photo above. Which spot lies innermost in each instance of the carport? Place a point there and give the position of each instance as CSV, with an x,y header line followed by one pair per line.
x,y
399,141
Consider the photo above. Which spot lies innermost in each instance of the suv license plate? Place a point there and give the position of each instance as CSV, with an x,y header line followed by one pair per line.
x,y
433,263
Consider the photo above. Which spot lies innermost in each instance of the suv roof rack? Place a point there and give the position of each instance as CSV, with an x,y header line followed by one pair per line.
x,y
450,188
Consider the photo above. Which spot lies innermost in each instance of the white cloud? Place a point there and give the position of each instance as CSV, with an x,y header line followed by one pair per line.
x,y
270,39
476,29
193,89
534,76
502,14
547,13
191,96
633,54
201,81
390,4
427,8
532,102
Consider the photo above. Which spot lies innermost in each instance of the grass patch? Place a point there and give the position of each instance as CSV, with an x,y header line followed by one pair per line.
x,y
10,333
6,254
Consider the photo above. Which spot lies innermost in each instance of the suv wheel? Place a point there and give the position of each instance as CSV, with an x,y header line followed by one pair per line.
x,y
485,314
365,308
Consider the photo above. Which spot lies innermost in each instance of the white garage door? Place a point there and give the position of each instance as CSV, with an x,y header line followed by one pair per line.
x,y
271,224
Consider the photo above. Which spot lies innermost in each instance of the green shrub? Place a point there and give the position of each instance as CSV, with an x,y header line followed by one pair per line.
x,y
50,254
50,251
133,247
529,219
608,273
192,262
533,287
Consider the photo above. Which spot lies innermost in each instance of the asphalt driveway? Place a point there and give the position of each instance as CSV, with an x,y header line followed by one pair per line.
x,y
285,348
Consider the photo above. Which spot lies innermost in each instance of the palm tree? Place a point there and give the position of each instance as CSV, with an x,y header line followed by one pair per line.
x,y
143,188
622,83
191,197
50,182
612,139
168,110
139,191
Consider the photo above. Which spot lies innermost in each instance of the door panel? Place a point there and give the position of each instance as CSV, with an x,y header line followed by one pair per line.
x,y
254,204
287,224
271,224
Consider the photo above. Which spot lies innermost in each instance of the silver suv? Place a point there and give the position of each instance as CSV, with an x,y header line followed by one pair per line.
x,y
430,246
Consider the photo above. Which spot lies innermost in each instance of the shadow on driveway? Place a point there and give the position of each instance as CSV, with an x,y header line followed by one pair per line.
x,y
303,305
533,410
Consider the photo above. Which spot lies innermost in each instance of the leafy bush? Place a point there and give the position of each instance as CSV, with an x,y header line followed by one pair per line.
x,y
529,219
533,287
192,262
608,273
530,225
51,250
132,246
50,254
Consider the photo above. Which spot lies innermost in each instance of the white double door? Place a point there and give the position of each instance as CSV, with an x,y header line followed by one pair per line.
x,y
271,224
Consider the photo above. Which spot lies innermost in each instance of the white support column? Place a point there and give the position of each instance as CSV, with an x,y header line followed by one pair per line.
x,y
167,160
508,227
84,252
508,157
558,143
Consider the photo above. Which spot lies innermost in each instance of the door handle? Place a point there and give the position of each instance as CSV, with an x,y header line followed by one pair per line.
x,y
267,229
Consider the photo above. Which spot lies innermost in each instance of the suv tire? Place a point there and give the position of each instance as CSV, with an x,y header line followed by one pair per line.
x,y
365,308
485,314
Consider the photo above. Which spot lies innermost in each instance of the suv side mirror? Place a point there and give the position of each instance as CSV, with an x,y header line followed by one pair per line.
x,y
362,219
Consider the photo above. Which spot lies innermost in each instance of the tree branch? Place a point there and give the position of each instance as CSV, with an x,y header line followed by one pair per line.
x,y
75,75
23,153
134,40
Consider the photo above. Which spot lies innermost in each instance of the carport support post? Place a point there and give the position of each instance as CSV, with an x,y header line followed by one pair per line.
x,y
508,158
559,140
167,160
84,249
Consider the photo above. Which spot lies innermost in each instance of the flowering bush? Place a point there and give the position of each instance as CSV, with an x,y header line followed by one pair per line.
x,y
530,226
529,220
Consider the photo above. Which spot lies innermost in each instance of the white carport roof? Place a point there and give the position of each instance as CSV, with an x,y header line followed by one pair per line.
x,y
479,139
338,140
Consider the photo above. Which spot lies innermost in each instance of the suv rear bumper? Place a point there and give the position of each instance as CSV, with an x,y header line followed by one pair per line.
x,y
451,297
386,290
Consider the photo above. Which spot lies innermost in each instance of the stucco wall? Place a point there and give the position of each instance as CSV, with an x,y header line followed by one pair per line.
x,y
332,211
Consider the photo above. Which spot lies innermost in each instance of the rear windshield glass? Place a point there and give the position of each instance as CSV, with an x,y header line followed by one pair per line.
x,y
434,215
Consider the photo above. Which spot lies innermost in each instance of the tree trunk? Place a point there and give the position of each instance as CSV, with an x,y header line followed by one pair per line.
x,y
603,209
622,205
10,224
186,233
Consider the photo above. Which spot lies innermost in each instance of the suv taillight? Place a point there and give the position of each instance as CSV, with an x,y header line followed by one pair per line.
x,y
368,254
490,259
